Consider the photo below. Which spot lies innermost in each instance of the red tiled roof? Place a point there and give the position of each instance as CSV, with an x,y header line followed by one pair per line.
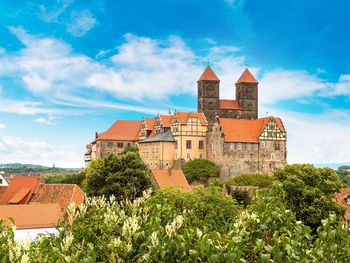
x,y
15,192
31,215
208,74
184,116
340,198
122,130
166,120
171,178
150,123
238,130
229,105
63,194
246,77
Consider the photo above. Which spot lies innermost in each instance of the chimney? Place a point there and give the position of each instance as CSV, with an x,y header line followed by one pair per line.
x,y
96,135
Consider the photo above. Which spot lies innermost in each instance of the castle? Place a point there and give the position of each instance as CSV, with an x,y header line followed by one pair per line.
x,y
227,132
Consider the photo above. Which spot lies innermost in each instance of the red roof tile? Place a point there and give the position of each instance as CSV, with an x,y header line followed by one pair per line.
x,y
238,130
31,215
171,178
122,130
166,120
15,190
208,74
340,198
184,116
229,105
150,123
246,77
63,194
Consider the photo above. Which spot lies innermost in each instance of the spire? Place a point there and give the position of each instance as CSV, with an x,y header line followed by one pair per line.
x,y
246,77
208,74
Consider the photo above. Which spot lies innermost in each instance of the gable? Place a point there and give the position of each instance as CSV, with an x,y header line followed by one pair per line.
x,y
273,130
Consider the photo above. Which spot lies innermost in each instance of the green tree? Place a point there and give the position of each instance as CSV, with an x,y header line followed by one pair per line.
x,y
241,196
259,180
64,178
130,149
200,170
124,176
309,192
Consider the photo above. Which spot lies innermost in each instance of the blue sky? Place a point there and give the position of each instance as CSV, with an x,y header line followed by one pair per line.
x,y
70,68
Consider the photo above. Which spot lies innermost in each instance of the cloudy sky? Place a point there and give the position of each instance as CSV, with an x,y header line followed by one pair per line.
x,y
70,68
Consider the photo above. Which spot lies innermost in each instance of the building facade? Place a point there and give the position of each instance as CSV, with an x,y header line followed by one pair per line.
x,y
227,132
247,146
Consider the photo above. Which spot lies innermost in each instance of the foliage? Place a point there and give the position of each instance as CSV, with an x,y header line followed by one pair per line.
x,y
259,180
242,197
31,168
344,174
309,192
64,178
161,229
124,176
130,149
200,170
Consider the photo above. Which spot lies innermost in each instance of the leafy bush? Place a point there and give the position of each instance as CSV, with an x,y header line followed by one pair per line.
x,y
124,176
309,192
242,197
259,180
63,178
200,170
162,228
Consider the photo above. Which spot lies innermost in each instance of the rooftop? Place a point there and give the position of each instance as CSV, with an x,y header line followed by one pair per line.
x,y
31,215
185,116
246,77
63,194
208,74
229,105
239,130
160,137
20,190
171,178
122,130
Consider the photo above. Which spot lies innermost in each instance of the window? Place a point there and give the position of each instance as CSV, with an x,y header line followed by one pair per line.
x,y
200,156
188,144
201,145
0,181
120,145
248,146
262,144
129,144
239,146
188,156
175,144
232,146
277,146
255,147
109,144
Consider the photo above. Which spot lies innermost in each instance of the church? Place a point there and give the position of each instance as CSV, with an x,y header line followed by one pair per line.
x,y
227,132
237,140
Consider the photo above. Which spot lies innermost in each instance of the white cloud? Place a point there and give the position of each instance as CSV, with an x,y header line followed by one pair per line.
x,y
53,15
2,126
50,120
81,22
16,149
316,138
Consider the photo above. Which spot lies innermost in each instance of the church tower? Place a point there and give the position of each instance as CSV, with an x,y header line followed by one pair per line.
x,y
208,95
247,95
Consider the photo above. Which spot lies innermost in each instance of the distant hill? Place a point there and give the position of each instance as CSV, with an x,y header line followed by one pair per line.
x,y
32,168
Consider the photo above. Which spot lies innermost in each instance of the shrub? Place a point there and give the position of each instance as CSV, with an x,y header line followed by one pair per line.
x,y
200,170
124,176
259,180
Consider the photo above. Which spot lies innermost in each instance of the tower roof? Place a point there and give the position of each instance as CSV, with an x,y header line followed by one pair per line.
x,y
208,74
246,77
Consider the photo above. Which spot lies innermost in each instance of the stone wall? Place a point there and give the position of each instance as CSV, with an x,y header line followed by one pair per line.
x,y
238,158
103,148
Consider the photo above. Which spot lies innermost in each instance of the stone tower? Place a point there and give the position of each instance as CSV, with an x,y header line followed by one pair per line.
x,y
247,95
208,95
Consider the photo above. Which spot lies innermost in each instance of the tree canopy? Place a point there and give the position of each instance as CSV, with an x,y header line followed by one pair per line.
x,y
124,176
309,192
200,170
259,180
